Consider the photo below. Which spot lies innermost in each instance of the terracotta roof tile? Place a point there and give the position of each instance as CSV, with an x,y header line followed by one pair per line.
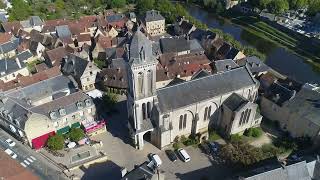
x,y
5,37
84,37
104,42
11,26
56,55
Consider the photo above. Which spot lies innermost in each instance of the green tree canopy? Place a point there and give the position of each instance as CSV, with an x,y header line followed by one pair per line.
x,y
76,134
20,10
298,4
144,5
314,7
278,6
118,3
55,142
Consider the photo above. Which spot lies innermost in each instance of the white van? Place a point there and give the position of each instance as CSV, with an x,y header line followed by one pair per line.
x,y
184,155
156,159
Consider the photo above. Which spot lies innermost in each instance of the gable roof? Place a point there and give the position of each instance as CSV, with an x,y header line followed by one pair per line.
x,y
63,31
170,45
74,66
153,15
55,55
235,101
197,90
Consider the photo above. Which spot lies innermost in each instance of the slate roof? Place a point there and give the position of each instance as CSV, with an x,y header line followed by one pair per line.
x,y
36,21
63,31
153,15
279,94
140,47
235,101
3,17
184,94
255,64
172,45
9,46
74,66
69,103
224,65
10,65
114,18
25,55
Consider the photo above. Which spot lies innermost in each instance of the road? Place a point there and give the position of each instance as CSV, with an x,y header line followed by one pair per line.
x,y
31,159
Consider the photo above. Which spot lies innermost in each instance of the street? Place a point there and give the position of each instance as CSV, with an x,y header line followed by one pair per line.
x,y
30,159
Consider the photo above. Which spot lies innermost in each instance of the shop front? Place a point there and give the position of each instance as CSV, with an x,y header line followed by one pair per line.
x,y
94,128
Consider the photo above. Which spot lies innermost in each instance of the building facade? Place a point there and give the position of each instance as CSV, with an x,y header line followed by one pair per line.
x,y
155,23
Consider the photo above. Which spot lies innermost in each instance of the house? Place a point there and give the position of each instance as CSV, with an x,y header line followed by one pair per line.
x,y
230,3
117,21
235,54
296,109
132,17
224,65
180,46
183,27
154,23
12,170
11,27
114,78
34,22
63,31
83,71
82,39
8,49
102,43
167,113
256,66
307,169
54,57
11,68
35,112
223,51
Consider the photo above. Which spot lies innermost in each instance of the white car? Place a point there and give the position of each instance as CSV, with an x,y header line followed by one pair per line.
x,y
184,155
10,142
11,153
156,159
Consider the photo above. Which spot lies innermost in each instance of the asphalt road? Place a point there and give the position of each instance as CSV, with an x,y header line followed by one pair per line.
x,y
31,159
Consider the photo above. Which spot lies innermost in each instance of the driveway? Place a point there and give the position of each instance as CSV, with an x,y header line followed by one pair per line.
x,y
116,144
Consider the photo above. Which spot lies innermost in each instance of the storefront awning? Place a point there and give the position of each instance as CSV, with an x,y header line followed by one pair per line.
x,y
75,125
63,130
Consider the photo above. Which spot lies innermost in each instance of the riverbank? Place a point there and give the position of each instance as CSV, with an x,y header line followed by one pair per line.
x,y
253,25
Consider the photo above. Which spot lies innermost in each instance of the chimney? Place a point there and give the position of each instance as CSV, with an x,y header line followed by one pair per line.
x,y
228,67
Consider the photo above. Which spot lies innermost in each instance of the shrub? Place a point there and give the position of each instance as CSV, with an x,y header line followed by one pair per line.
x,y
213,135
177,145
183,138
253,132
55,142
76,134
286,143
176,139
235,138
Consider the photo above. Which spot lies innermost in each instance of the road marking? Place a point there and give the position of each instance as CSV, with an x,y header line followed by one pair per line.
x,y
23,164
29,160
33,158
25,161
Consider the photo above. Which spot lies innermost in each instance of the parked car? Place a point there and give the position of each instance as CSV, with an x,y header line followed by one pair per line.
x,y
205,148
156,159
214,147
10,142
171,155
184,155
11,153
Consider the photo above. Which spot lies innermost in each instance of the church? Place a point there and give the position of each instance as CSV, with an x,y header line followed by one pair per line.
x,y
224,101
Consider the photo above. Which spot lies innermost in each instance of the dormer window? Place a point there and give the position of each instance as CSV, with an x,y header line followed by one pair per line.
x,y
53,115
10,117
88,102
80,105
62,112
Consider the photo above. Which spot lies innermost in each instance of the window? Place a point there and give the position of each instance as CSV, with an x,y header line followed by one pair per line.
x,y
88,79
205,113
55,124
89,110
81,113
249,113
91,73
184,121
149,109
140,83
180,122
143,111
241,117
209,113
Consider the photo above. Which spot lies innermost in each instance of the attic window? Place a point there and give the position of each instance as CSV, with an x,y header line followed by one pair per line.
x,y
79,105
53,115
88,102
121,79
62,112
91,73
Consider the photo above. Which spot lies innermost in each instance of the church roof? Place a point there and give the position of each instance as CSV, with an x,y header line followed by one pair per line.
x,y
235,101
197,90
140,49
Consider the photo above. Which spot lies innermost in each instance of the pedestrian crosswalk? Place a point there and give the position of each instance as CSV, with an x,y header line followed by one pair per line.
x,y
27,161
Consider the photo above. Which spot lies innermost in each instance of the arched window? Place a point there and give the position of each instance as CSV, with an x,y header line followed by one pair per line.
x,y
180,122
241,118
184,121
140,83
209,113
150,79
149,109
205,113
144,111
248,116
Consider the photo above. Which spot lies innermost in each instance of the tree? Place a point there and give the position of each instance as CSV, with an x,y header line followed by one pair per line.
x,y
20,10
110,100
2,5
55,142
278,6
118,3
76,134
314,7
144,5
298,4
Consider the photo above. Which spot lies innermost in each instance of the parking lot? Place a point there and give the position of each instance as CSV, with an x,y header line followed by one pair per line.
x,y
122,154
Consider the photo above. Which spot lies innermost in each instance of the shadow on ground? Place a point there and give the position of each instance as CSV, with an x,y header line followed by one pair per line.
x,y
105,170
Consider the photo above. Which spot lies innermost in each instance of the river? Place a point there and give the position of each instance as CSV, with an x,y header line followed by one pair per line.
x,y
278,58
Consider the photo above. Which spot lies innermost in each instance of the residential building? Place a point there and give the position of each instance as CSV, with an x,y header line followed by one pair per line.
x,y
54,57
296,109
34,22
8,49
11,68
165,113
117,21
83,71
183,27
154,22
